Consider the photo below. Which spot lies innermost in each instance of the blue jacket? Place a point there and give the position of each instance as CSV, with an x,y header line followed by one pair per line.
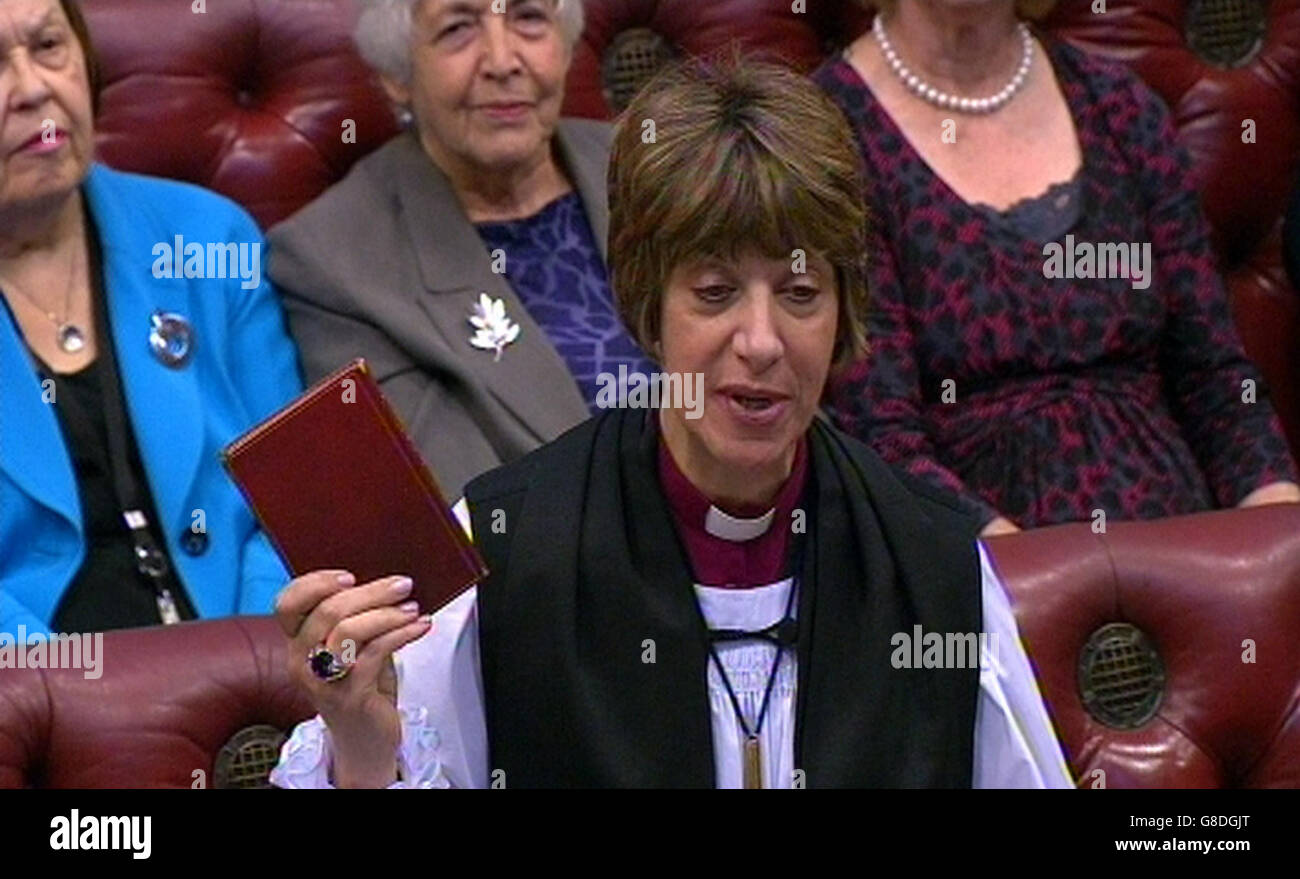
x,y
243,367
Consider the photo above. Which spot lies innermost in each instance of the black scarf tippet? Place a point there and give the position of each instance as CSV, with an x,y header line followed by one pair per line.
x,y
589,582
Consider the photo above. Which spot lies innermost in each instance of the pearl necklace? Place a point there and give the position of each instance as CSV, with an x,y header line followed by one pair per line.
x,y
944,100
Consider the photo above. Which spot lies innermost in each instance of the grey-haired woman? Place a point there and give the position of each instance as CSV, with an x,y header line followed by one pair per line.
x,y
465,259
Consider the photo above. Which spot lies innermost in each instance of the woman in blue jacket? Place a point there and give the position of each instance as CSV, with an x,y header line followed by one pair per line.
x,y
137,337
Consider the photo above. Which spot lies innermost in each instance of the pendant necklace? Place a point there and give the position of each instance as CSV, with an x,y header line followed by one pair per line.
x,y
782,634
71,338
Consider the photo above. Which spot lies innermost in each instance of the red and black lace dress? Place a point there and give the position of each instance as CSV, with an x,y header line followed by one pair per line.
x,y
1063,396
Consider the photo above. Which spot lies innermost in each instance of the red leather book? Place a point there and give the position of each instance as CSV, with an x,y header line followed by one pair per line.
x,y
336,483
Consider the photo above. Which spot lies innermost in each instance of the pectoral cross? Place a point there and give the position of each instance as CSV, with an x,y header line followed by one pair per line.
x,y
752,760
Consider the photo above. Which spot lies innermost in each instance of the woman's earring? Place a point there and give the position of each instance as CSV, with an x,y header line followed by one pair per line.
x,y
405,117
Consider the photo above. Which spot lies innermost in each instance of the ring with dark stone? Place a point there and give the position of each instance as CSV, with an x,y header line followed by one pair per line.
x,y
325,665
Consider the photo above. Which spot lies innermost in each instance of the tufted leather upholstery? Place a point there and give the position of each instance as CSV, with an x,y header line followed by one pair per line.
x,y
168,699
1197,586
248,98
251,98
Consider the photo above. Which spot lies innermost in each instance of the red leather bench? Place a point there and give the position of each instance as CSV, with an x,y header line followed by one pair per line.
x,y
1137,635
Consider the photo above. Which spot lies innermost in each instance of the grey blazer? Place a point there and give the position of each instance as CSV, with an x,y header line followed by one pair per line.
x,y
385,265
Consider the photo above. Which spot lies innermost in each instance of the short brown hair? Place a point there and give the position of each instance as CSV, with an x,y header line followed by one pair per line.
x,y
1034,10
78,22
744,154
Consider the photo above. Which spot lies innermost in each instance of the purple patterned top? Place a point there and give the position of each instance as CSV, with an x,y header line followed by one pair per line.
x,y
553,265
1066,396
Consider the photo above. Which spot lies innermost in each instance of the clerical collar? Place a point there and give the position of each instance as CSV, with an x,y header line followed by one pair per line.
x,y
721,524
740,548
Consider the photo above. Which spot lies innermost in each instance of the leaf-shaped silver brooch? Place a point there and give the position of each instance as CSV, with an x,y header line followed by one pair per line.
x,y
493,331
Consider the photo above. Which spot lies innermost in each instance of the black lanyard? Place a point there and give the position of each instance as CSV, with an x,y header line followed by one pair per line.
x,y
150,561
783,633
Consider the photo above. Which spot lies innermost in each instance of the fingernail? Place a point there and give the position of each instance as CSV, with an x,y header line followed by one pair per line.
x,y
346,579
402,586
409,606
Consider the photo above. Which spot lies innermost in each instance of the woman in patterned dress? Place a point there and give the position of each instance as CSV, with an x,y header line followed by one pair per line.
x,y
1000,371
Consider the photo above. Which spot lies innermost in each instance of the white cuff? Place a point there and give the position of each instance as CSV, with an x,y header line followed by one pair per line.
x,y
418,762
306,760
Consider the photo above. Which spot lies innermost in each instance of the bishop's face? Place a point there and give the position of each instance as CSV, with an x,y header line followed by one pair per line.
x,y
763,336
